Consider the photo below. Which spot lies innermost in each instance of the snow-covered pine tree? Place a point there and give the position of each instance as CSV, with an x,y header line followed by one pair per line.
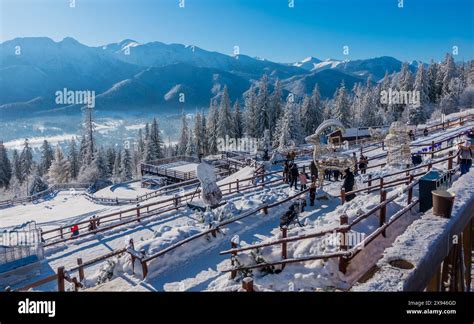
x,y
117,172
59,169
156,139
191,149
26,160
432,75
238,127
417,114
205,139
211,127
126,166
288,130
110,156
5,167
198,135
449,72
275,107
184,137
251,113
225,125
73,159
369,110
341,109
357,104
140,144
47,156
264,109
16,166
38,184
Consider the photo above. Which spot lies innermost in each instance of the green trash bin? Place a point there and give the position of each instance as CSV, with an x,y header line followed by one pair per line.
x,y
443,202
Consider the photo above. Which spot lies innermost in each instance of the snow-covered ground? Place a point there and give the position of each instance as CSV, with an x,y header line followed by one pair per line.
x,y
198,265
123,190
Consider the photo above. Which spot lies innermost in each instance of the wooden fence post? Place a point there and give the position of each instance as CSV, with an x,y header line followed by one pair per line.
x,y
430,166
450,160
61,279
138,213
237,183
383,146
383,210
410,191
284,233
144,268
343,196
408,172
61,231
432,149
81,269
265,210
247,284
381,183
233,273
344,220
369,184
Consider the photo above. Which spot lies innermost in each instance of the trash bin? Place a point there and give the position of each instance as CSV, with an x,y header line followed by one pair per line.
x,y
432,180
443,202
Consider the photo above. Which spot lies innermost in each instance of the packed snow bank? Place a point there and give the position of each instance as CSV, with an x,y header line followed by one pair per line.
x,y
128,190
243,173
424,244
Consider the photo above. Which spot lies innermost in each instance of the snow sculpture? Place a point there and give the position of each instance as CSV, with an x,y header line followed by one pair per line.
x,y
397,143
211,194
324,156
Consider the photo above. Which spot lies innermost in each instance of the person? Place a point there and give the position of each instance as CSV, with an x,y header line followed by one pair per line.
x,y
286,170
313,169
91,224
294,176
363,164
411,135
336,174
303,180
327,174
354,160
348,184
416,159
75,230
425,132
288,156
293,155
312,192
465,154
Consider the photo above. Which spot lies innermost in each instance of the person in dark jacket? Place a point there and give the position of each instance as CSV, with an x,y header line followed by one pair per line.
x,y
425,132
348,184
313,169
312,192
286,171
336,174
411,135
294,175
363,161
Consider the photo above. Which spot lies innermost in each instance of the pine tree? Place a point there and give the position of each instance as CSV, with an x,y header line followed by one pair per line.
x,y
73,158
264,111
59,169
288,130
47,156
126,166
38,184
275,107
26,161
211,130
341,110
198,139
140,145
238,128
191,148
251,113
117,172
433,93
184,137
156,140
16,166
225,125
205,139
417,113
5,167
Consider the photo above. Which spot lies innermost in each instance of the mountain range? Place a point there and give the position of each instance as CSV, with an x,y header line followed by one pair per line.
x,y
130,75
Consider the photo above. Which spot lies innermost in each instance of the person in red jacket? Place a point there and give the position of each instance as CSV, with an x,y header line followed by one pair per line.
x,y
75,230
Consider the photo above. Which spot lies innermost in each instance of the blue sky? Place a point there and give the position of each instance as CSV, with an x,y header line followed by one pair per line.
x,y
422,29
